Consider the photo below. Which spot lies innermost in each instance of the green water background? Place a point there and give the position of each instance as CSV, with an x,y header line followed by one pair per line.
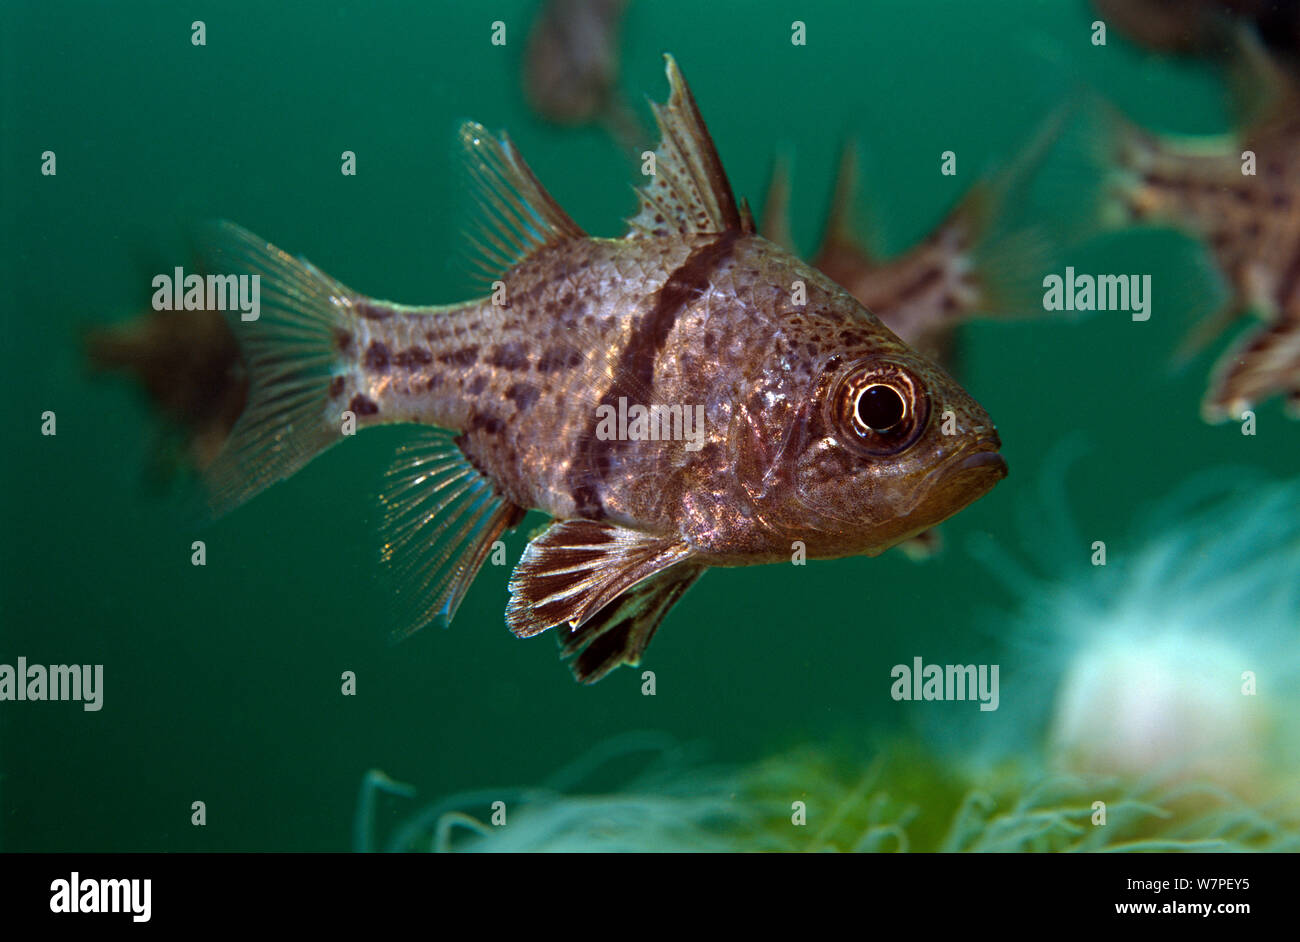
x,y
222,683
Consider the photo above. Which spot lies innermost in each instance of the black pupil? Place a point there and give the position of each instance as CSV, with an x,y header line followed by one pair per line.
x,y
880,408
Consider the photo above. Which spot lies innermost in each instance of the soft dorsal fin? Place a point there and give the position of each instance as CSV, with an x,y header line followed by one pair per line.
x,y
688,193
517,216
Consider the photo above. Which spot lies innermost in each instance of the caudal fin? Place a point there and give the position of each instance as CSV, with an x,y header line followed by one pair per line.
x,y
291,347
1009,253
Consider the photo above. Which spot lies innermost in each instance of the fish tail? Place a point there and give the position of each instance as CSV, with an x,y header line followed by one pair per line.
x,y
1139,182
1006,254
1117,174
294,346
1125,156
1007,264
113,347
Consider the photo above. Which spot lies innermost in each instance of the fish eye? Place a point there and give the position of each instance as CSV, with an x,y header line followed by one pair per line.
x,y
880,407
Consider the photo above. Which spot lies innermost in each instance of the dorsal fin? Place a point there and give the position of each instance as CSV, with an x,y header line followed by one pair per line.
x,y
1260,87
746,217
840,230
517,216
776,207
688,193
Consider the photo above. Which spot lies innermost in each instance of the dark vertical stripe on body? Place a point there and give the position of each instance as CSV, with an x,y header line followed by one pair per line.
x,y
1289,283
635,369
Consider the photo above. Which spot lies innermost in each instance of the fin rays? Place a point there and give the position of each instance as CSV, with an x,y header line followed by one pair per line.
x,y
689,192
517,216
577,568
290,355
441,518
620,632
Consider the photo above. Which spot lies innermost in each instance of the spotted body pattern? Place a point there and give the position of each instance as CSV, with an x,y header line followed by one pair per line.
x,y
1251,223
819,428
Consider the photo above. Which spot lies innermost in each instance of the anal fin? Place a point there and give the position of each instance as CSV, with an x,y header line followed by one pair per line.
x,y
598,581
440,519
619,632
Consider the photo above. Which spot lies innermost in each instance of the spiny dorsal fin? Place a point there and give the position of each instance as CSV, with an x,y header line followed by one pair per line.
x,y
746,217
517,216
776,207
840,231
689,193
577,567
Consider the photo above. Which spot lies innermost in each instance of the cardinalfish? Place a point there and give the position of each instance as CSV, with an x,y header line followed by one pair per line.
x,y
189,366
1241,194
973,263
1204,27
571,67
823,433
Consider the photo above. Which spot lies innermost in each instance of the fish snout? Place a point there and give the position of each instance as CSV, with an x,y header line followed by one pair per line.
x,y
982,462
985,459
985,454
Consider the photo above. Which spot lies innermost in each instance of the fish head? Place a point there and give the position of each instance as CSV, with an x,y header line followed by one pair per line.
x,y
877,442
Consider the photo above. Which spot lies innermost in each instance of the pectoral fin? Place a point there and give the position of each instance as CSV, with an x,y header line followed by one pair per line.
x,y
440,519
607,587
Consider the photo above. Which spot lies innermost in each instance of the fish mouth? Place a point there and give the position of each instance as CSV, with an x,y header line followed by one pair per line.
x,y
958,480
967,476
984,459
975,468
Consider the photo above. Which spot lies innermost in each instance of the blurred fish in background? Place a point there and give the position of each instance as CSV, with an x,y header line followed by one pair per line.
x,y
1239,192
975,262
571,67
188,365
1204,27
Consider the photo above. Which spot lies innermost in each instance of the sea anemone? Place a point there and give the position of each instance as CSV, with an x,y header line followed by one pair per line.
x,y
810,800
1149,703
1171,662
